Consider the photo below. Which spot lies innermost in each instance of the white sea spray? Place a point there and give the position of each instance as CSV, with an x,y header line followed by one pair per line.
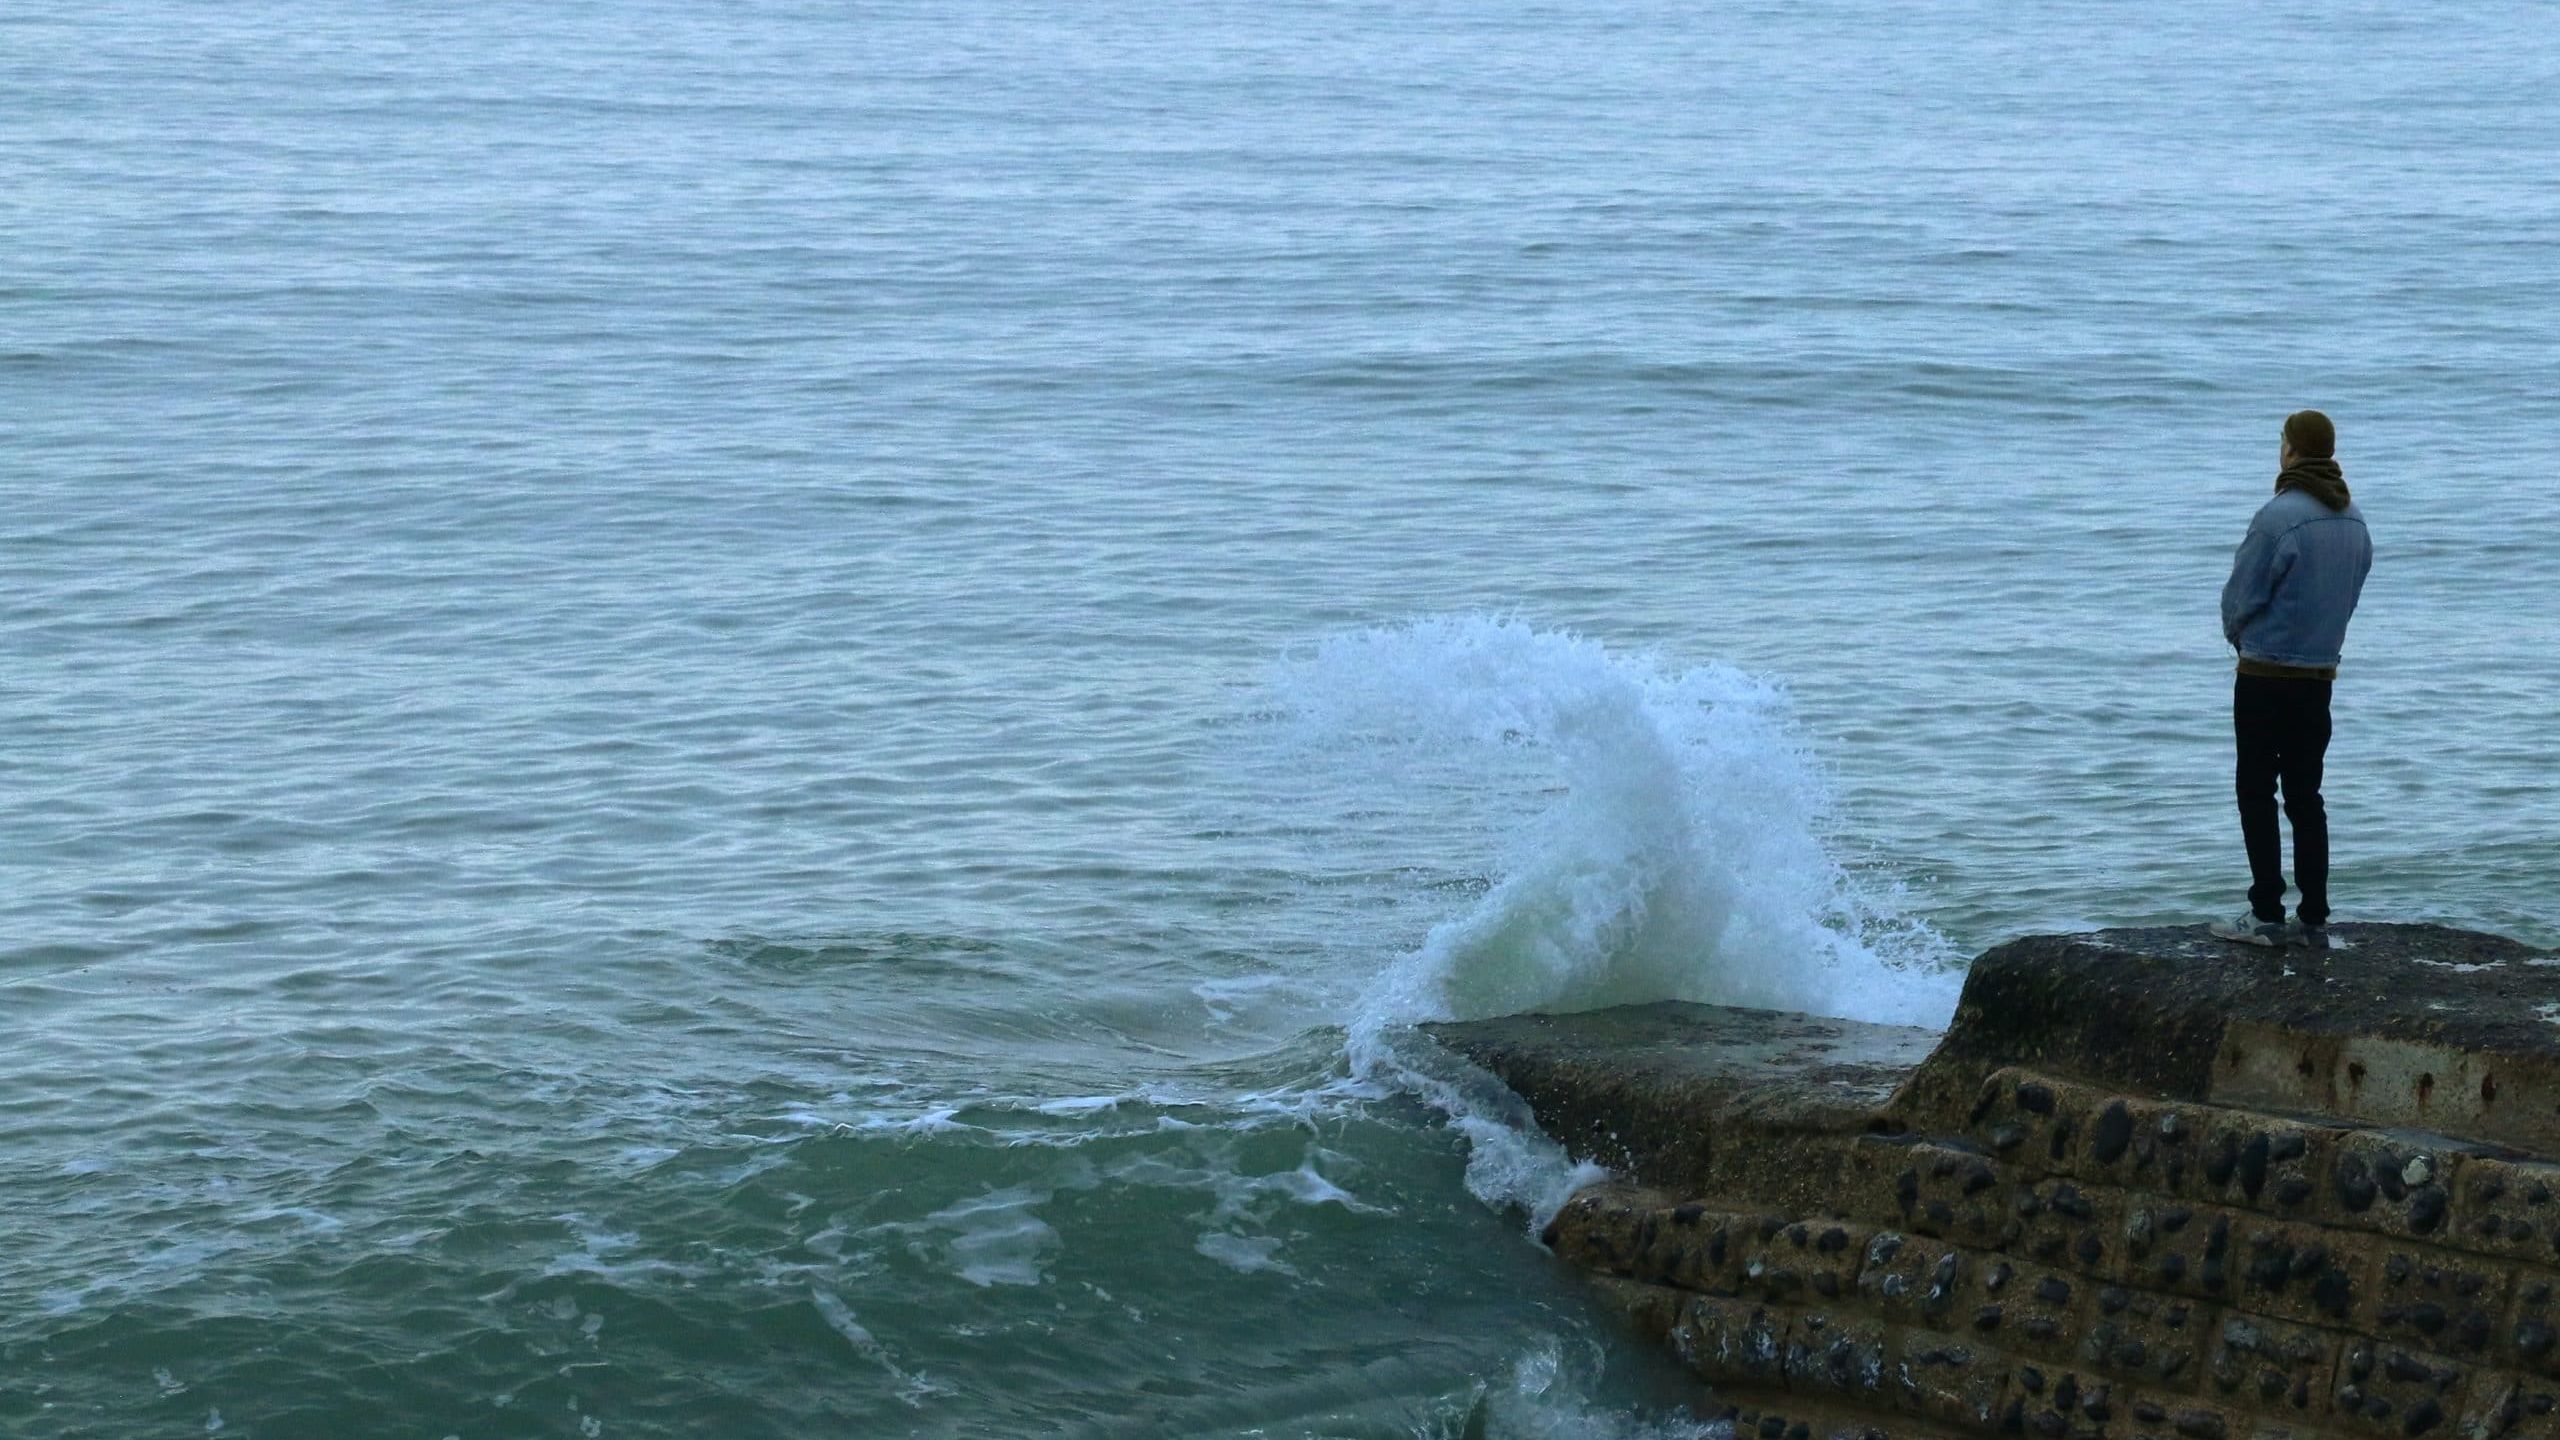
x,y
1647,832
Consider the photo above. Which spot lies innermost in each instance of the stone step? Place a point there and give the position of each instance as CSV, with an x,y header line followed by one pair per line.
x,y
1875,1320
2414,1026
2147,1185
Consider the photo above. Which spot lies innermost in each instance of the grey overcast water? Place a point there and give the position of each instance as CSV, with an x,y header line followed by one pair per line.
x,y
757,720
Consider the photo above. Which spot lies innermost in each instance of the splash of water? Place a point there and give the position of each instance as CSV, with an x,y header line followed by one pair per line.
x,y
1645,832
1673,846
1545,1400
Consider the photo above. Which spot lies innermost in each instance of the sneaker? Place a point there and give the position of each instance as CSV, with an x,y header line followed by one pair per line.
x,y
2250,930
2309,937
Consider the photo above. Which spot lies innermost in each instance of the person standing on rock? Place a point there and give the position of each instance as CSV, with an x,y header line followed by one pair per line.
x,y
2293,586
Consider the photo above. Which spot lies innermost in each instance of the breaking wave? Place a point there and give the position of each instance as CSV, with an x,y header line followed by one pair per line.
x,y
1652,833
1619,830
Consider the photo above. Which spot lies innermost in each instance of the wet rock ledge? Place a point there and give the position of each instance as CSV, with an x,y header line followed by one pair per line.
x,y
2146,1185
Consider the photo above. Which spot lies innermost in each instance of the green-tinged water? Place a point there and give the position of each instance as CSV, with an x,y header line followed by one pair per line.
x,y
759,720
758,1219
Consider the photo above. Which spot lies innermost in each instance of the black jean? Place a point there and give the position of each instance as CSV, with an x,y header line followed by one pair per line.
x,y
2283,730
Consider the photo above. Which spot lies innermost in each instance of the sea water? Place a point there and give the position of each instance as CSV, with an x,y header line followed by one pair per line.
x,y
763,719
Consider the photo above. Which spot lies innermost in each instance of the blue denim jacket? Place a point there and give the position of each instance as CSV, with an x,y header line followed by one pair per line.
x,y
2295,581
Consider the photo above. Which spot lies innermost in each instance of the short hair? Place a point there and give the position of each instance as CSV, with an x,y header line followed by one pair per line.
x,y
2311,435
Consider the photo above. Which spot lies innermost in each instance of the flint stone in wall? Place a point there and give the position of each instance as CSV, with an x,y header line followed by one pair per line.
x,y
1913,1280
1731,1341
2165,1416
1603,1229
2155,1341
2044,1126
2413,1185
2439,1300
2025,1309
2062,1403
2507,1208
1946,1378
2304,1273
1842,1355
2511,1407
2072,1226
2528,1337
2257,1162
2269,1365
1640,1234
2391,1389
1802,1262
1930,1188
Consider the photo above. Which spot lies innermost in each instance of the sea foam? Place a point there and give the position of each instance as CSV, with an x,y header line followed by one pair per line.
x,y
1645,832
1652,832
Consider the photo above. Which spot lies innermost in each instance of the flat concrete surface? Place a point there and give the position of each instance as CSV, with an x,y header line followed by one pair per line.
x,y
2146,1006
1709,1051
1650,1090
2405,1025
2426,1027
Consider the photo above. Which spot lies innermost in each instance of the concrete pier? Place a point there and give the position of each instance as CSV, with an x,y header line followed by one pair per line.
x,y
2147,1184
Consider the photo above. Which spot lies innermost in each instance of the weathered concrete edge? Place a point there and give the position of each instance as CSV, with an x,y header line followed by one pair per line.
x,y
1661,1091
2413,1026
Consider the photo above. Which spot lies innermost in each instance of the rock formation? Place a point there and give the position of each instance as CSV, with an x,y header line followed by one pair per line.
x,y
2147,1184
